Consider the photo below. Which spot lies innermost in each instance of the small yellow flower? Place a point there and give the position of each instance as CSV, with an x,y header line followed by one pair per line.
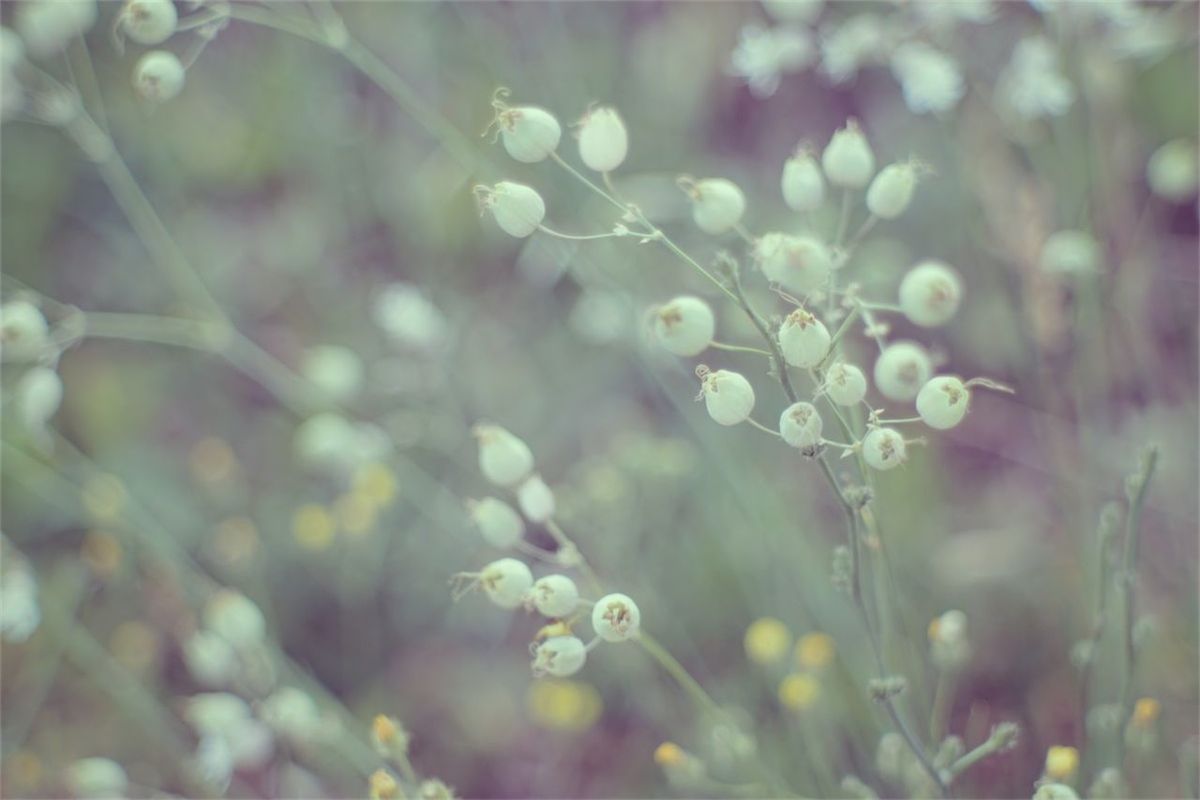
x,y
104,497
313,527
815,651
669,754
355,513
383,786
388,736
376,484
211,460
103,553
1145,712
767,640
799,691
563,705
1061,762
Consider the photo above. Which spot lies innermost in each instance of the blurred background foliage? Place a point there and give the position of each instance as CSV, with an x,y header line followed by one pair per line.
x,y
299,189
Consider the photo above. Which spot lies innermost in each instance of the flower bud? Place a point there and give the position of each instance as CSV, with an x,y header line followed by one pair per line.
x,y
949,648
1172,170
717,204
48,26
942,402
503,458
293,714
848,161
158,76
616,618
803,339
517,208
892,190
883,449
554,596
930,294
802,182
1061,762
408,317
24,333
800,425
559,656
845,384
529,133
1070,252
498,523
39,393
336,371
684,326
388,737
215,712
506,582
235,618
97,778
901,370
535,499
603,140
1055,791
798,263
211,660
728,396
148,21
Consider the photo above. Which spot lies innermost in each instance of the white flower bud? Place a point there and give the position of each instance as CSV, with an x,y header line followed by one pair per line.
x,y
1070,252
158,76
717,204
1055,791
530,134
799,264
616,618
943,401
408,317
930,294
20,614
1172,170
215,712
892,190
506,582
559,656
803,339
883,448
336,371
535,499
503,458
848,161
845,384
293,714
39,394
211,660
728,396
603,140
517,208
802,182
95,778
684,326
48,26
901,370
498,523
554,596
235,618
148,21
24,333
324,440
800,425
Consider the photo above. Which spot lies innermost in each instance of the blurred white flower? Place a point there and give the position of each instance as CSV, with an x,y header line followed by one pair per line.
x,y
294,715
930,79
336,371
794,10
409,318
47,26
763,55
945,13
97,778
1143,34
848,47
1032,85
20,614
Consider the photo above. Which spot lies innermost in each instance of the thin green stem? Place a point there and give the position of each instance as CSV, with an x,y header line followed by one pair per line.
x,y
737,348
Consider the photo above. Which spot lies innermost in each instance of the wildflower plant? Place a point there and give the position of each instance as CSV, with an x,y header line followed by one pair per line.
x,y
756,517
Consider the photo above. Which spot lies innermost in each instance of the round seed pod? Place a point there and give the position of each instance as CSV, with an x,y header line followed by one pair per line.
x,y
799,264
158,76
506,582
717,204
802,183
901,370
883,449
148,21
536,499
847,160
930,294
943,402
603,140
518,209
498,523
892,190
845,384
684,326
800,425
803,339
530,134
616,618
504,459
554,595
559,656
728,396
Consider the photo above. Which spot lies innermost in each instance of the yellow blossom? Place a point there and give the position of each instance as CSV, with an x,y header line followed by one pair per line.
x,y
815,651
799,691
767,640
